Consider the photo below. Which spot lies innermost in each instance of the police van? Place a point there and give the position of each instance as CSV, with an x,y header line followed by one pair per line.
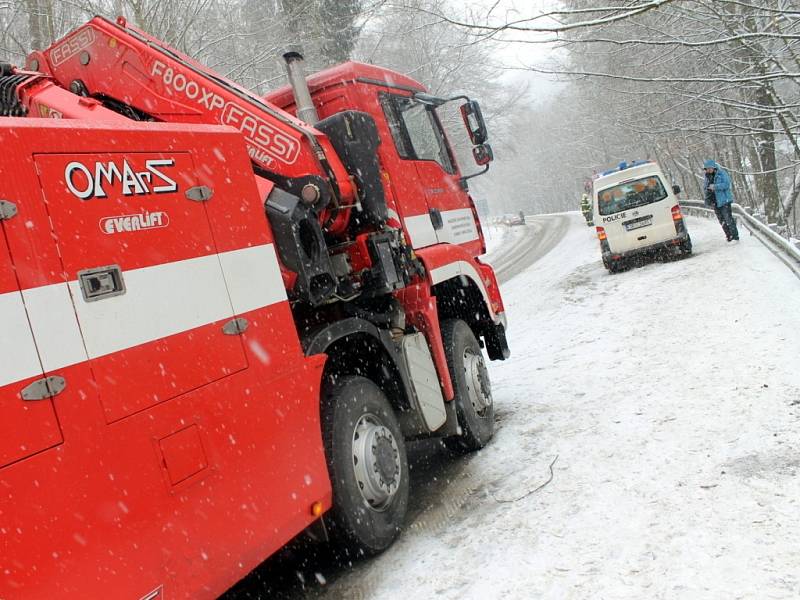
x,y
636,212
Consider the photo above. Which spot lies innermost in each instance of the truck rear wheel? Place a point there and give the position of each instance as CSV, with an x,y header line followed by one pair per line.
x,y
473,390
367,466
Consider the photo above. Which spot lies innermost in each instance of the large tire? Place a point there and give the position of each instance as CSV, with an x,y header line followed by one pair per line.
x,y
367,465
615,266
473,390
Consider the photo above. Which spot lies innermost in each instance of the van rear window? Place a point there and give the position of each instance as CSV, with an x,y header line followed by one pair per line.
x,y
630,194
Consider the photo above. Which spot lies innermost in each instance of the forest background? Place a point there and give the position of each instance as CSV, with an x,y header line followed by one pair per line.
x,y
569,88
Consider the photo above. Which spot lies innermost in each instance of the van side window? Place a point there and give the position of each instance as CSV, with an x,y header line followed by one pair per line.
x,y
416,131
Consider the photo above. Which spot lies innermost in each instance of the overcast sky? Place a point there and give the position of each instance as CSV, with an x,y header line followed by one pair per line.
x,y
527,49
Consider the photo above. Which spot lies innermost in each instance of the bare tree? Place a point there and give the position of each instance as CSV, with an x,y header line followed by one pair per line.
x,y
676,80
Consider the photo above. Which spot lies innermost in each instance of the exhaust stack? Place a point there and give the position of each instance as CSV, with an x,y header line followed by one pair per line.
x,y
297,79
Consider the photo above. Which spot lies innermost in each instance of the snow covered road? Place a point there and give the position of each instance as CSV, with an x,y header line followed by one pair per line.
x,y
519,247
670,396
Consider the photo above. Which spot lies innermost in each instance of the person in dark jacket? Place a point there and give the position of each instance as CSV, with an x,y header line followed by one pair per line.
x,y
717,188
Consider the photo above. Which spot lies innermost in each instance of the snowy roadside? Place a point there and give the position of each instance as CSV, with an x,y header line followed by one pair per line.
x,y
670,395
496,238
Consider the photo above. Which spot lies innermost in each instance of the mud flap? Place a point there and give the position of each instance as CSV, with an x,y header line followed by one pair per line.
x,y
496,344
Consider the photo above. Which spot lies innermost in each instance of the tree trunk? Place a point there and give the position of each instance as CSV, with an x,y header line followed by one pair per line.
x,y
292,11
742,187
37,23
765,147
337,23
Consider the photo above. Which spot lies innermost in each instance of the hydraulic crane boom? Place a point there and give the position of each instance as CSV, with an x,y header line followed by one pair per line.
x,y
24,93
143,78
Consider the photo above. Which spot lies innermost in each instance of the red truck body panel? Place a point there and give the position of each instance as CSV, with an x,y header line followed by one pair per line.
x,y
177,456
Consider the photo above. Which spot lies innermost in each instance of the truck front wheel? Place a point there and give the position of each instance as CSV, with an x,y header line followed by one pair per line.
x,y
473,390
367,466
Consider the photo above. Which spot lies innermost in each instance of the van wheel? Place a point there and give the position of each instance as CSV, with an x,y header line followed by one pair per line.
x,y
367,464
473,390
614,266
686,246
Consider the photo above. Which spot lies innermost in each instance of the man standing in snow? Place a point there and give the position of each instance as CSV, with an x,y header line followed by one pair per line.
x,y
717,188
586,209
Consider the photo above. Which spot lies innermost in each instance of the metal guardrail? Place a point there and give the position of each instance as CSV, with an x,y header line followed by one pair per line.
x,y
774,242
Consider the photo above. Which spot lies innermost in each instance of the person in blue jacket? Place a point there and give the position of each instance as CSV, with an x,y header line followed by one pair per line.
x,y
717,188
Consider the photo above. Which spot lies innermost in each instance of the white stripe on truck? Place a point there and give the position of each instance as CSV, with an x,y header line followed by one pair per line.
x,y
159,301
420,230
18,357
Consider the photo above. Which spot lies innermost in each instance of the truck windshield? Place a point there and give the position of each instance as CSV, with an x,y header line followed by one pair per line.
x,y
630,194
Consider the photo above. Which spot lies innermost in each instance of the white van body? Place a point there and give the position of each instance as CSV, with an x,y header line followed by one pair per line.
x,y
636,212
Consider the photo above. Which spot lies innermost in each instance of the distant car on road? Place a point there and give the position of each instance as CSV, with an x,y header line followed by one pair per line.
x,y
514,220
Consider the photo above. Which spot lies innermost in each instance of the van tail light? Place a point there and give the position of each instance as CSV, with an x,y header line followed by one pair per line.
x,y
677,218
601,235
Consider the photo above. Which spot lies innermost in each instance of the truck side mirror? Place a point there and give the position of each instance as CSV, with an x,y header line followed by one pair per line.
x,y
473,120
483,154
676,189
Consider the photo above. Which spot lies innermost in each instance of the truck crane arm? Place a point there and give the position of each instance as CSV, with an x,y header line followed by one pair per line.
x,y
131,71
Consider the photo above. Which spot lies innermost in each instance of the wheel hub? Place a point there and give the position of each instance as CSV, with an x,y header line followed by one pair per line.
x,y
376,461
479,388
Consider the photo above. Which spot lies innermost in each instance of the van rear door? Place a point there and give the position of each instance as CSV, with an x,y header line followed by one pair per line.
x,y
635,213
648,225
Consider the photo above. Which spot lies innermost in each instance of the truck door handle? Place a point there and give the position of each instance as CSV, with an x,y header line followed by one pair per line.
x,y
436,218
101,282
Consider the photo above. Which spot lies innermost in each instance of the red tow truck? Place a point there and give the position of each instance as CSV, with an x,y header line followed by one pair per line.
x,y
224,315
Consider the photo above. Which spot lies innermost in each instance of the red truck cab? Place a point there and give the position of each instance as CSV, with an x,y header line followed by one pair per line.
x,y
426,186
426,192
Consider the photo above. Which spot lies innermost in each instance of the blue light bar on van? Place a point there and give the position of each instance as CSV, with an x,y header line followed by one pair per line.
x,y
625,165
